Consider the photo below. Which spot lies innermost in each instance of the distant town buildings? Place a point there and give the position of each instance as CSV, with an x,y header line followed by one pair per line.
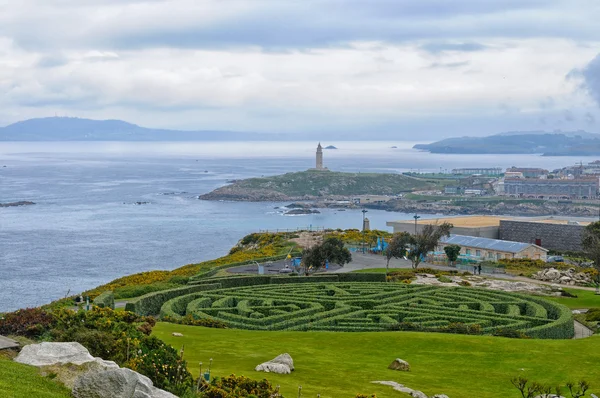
x,y
486,171
526,172
551,188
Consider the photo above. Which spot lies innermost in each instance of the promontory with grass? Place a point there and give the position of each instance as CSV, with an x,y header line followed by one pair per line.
x,y
317,184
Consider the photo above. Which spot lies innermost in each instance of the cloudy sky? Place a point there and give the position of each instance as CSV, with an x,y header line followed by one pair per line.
x,y
400,68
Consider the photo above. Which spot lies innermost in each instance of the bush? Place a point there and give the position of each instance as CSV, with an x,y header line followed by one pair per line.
x,y
190,320
106,299
237,386
150,304
29,322
444,279
361,277
464,283
510,333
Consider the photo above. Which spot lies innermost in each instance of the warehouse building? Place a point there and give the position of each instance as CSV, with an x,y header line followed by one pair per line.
x,y
481,249
580,188
555,233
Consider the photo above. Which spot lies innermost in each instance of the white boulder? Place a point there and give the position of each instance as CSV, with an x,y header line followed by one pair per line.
x,y
117,383
54,353
282,364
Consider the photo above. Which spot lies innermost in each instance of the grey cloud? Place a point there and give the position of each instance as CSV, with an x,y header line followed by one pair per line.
x,y
589,118
276,25
438,47
568,115
449,65
591,78
52,61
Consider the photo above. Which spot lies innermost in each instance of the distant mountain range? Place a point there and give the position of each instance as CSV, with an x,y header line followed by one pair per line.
x,y
578,143
76,129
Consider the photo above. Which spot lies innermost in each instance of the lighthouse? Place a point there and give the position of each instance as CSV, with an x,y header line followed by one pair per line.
x,y
319,165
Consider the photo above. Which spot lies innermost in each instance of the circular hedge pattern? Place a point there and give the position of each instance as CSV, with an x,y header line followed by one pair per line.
x,y
374,307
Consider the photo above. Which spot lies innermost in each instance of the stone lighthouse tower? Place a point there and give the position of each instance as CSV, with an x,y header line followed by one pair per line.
x,y
319,157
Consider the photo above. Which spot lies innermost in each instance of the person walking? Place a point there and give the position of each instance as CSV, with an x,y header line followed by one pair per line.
x,y
479,269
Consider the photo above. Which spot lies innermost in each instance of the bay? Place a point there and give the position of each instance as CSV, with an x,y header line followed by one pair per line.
x,y
85,228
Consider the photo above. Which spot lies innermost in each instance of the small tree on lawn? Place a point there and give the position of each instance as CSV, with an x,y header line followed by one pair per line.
x,y
397,247
452,252
332,250
591,246
427,241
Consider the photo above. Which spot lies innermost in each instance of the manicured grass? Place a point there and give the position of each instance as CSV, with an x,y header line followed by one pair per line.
x,y
22,381
338,365
585,299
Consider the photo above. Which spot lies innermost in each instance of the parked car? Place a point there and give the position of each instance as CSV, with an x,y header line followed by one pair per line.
x,y
555,259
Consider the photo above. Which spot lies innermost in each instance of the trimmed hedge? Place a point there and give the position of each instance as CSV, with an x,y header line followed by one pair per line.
x,y
150,304
105,300
361,277
213,271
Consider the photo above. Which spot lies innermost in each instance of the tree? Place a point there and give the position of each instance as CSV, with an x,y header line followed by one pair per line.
x,y
397,247
591,246
426,241
452,252
332,250
534,389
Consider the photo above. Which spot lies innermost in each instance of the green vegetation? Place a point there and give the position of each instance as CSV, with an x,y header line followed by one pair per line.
x,y
254,247
366,306
584,299
23,381
331,250
106,299
338,365
318,184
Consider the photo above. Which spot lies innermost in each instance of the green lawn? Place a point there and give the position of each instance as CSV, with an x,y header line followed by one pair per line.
x,y
338,365
22,381
585,299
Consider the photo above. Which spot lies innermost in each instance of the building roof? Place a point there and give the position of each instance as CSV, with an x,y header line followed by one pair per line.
x,y
492,221
488,244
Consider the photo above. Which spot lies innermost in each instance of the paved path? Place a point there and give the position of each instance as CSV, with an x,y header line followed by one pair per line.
x,y
582,331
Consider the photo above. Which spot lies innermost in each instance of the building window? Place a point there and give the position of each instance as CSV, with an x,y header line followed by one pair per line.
x,y
478,253
498,256
468,251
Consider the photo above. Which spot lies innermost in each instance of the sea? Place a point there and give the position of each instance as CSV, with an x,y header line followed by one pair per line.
x,y
87,229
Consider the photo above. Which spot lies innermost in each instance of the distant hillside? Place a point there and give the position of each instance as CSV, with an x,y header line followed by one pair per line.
x,y
556,144
316,184
76,129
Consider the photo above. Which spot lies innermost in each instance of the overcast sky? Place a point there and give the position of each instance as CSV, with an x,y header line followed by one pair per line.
x,y
404,69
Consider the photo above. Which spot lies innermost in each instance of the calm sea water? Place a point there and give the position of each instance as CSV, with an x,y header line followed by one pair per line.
x,y
85,229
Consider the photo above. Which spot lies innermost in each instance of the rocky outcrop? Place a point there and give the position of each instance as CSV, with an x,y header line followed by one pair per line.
x,y
568,277
15,204
44,354
295,212
89,377
117,383
281,364
400,364
407,390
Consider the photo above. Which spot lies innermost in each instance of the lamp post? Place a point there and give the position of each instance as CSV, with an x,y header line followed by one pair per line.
x,y
364,211
416,218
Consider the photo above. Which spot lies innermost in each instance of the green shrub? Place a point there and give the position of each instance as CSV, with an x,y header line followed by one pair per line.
x,y
29,322
361,277
106,299
140,290
150,304
444,279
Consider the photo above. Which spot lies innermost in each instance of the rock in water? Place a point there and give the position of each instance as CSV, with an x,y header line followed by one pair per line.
x,y
54,353
400,364
117,383
282,364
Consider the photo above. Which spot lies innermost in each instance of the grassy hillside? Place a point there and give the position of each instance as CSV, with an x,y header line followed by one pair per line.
x,y
22,381
318,184
338,365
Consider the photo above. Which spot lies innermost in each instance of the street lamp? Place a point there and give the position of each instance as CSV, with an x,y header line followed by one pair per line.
x,y
416,218
364,211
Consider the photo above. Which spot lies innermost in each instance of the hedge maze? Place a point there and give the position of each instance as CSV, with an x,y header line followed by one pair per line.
x,y
368,306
